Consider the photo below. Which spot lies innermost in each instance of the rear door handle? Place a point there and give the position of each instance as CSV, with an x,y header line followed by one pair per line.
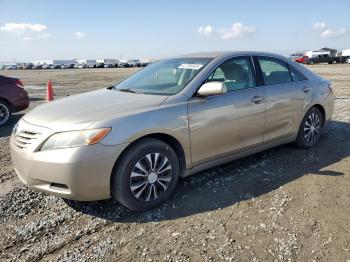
x,y
257,99
306,89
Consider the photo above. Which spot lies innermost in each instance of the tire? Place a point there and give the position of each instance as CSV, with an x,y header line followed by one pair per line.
x,y
5,113
142,190
310,129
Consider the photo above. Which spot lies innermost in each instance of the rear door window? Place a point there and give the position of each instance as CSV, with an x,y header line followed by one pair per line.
x,y
274,71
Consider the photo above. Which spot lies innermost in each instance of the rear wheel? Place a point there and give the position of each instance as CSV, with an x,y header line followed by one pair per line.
x,y
5,113
310,129
146,175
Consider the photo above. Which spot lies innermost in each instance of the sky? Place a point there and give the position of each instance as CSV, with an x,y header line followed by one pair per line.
x,y
66,29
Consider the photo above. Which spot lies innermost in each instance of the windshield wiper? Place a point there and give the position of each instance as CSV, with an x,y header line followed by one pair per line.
x,y
128,90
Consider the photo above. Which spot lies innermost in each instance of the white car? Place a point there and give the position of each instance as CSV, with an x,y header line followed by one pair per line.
x,y
348,60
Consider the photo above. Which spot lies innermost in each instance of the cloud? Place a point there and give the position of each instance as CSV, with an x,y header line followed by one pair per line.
x,y
205,30
334,33
325,32
237,30
79,35
44,36
27,32
27,39
23,28
319,26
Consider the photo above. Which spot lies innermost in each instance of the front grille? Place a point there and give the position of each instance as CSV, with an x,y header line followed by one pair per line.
x,y
25,138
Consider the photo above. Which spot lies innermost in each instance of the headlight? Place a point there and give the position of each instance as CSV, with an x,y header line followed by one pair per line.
x,y
75,138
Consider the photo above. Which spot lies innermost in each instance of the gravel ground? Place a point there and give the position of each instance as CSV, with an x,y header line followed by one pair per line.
x,y
283,204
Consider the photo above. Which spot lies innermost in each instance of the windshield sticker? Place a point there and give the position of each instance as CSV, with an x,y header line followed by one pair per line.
x,y
190,66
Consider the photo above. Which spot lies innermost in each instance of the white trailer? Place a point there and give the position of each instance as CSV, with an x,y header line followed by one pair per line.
x,y
345,52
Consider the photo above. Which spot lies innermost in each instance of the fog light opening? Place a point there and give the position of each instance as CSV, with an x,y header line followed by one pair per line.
x,y
60,186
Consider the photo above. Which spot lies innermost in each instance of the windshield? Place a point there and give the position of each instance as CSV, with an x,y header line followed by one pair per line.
x,y
165,77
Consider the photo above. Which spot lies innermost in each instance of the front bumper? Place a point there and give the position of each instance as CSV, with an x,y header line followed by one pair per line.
x,y
80,173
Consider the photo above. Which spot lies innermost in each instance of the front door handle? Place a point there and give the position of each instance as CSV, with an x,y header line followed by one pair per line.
x,y
257,99
306,89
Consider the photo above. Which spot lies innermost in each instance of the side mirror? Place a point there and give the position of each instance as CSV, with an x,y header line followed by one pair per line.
x,y
212,88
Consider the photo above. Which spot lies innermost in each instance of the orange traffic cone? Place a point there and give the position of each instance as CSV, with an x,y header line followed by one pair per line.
x,y
49,91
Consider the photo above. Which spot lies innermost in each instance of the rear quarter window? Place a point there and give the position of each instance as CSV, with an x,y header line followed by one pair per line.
x,y
296,76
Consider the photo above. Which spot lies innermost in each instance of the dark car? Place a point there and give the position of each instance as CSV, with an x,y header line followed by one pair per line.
x,y
322,59
13,98
38,67
55,66
123,65
28,66
100,65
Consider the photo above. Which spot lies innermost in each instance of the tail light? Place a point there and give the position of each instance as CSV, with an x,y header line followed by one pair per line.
x,y
19,83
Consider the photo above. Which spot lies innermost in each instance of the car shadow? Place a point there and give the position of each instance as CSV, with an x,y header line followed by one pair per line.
x,y
34,99
243,179
6,130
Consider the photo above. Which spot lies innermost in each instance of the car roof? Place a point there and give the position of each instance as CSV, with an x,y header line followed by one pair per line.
x,y
226,54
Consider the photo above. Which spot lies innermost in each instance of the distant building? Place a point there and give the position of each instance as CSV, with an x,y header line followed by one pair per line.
x,y
107,61
86,61
54,62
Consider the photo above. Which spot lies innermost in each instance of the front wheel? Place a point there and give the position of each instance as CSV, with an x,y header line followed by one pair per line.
x,y
310,129
146,175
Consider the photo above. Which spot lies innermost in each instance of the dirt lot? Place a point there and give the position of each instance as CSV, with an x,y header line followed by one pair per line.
x,y
284,204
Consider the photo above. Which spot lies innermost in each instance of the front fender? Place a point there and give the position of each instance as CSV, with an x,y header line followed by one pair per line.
x,y
171,120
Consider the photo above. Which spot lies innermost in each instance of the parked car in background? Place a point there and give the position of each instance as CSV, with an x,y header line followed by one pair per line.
x,y
55,66
123,64
100,65
37,67
348,60
46,66
13,98
322,59
28,66
300,60
11,67
81,66
178,116
67,66
134,63
91,65
108,66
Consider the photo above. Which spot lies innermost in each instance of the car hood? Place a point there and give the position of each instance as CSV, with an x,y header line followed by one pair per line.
x,y
80,111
